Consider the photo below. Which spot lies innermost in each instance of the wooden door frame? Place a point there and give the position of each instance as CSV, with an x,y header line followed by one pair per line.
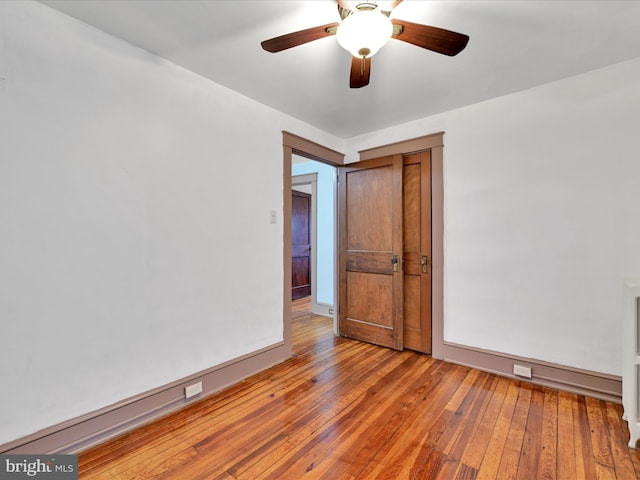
x,y
291,144
433,142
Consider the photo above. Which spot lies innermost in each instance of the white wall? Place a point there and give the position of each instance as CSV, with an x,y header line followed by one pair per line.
x,y
325,218
126,248
541,223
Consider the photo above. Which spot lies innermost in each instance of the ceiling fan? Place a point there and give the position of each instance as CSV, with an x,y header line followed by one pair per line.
x,y
364,29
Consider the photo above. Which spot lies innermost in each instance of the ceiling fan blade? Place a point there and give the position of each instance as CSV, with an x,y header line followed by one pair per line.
x,y
360,72
432,38
301,37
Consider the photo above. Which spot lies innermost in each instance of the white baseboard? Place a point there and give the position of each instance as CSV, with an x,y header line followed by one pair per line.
x,y
323,309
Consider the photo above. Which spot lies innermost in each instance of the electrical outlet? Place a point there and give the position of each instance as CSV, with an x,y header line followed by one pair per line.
x,y
193,390
521,371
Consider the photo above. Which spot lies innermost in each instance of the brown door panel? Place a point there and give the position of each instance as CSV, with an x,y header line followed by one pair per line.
x,y
374,262
370,219
300,244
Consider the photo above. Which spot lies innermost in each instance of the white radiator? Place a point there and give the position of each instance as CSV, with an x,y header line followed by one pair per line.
x,y
631,360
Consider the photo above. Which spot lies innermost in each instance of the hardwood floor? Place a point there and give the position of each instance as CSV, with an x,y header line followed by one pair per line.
x,y
342,409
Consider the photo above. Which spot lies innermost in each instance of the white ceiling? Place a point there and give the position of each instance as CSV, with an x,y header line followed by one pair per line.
x,y
514,45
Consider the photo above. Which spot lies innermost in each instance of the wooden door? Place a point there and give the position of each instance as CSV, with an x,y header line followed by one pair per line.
x,y
417,251
300,244
370,278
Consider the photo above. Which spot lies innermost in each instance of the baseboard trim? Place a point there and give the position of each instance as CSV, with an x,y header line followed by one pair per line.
x,y
85,431
584,382
323,309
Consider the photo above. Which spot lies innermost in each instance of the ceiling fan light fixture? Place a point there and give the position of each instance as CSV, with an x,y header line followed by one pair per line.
x,y
364,32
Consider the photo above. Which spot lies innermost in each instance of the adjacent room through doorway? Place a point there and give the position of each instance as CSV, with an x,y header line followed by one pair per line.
x,y
314,242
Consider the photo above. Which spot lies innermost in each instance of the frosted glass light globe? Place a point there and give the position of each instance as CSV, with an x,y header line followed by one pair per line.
x,y
364,33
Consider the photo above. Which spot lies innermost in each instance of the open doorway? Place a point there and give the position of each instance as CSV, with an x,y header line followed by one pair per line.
x,y
306,149
318,180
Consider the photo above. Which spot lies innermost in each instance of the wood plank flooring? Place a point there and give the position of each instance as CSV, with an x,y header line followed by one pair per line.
x,y
345,410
